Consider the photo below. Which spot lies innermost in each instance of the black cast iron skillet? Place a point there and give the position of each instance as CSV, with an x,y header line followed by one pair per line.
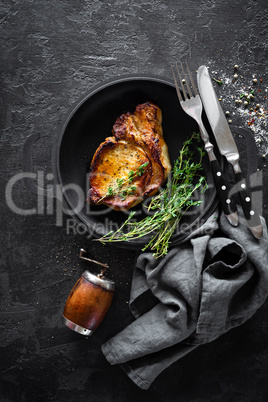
x,y
88,123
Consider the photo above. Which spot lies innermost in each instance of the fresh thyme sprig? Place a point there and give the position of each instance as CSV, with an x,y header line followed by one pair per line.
x,y
117,188
169,205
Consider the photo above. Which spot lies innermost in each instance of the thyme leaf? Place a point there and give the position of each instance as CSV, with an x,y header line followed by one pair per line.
x,y
220,82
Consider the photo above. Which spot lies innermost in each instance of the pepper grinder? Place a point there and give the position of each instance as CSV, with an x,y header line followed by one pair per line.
x,y
89,300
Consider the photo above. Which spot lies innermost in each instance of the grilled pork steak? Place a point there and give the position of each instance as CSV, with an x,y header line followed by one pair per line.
x,y
132,164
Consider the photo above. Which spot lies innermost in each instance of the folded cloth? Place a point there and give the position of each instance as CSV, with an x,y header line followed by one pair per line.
x,y
214,281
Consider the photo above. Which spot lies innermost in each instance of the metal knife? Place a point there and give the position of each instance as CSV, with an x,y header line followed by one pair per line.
x,y
227,147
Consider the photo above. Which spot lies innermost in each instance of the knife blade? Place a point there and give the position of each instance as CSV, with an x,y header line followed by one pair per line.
x,y
227,147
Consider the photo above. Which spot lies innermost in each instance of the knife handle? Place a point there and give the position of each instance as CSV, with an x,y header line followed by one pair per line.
x,y
250,212
223,190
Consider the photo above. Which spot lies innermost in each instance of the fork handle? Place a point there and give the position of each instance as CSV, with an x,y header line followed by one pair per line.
x,y
223,190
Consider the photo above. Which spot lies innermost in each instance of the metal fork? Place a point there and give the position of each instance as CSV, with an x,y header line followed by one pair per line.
x,y
192,105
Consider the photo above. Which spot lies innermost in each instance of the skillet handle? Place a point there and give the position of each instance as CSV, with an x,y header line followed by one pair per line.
x,y
30,176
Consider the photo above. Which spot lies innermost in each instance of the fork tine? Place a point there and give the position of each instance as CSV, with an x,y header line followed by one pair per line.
x,y
191,79
176,85
186,81
181,83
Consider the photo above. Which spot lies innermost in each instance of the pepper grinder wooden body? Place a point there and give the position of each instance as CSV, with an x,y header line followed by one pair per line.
x,y
88,303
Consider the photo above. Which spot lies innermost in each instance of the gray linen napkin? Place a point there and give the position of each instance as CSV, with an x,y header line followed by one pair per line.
x,y
214,281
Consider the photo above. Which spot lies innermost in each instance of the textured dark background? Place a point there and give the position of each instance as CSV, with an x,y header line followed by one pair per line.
x,y
51,53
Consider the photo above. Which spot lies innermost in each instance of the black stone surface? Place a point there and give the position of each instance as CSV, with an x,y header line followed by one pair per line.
x,y
51,53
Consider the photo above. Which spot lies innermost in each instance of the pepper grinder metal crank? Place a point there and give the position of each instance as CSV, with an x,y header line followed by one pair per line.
x,y
89,300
